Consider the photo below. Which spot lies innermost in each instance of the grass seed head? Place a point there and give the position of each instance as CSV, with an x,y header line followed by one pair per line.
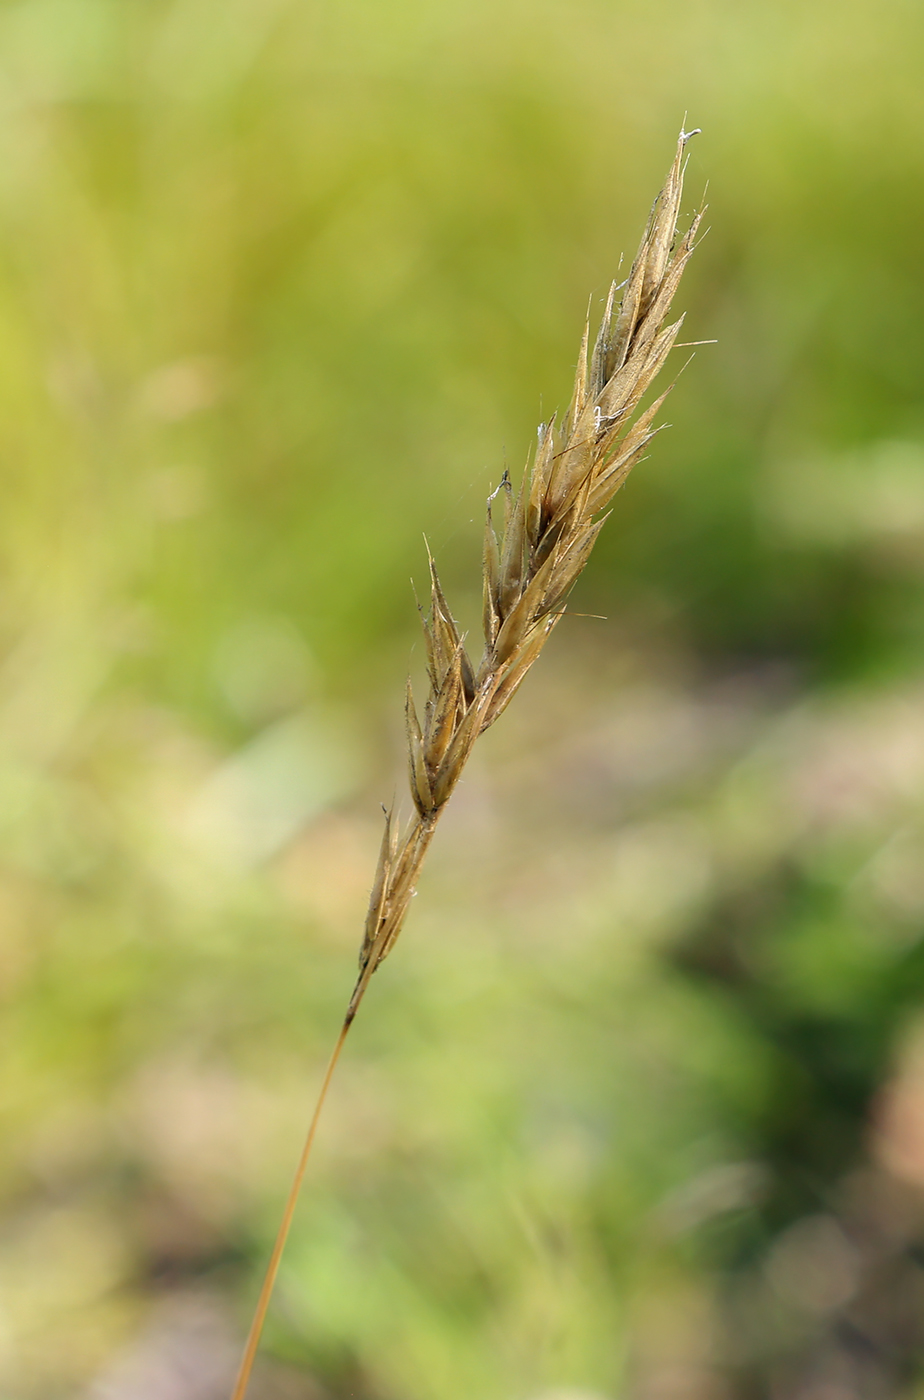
x,y
533,559
548,533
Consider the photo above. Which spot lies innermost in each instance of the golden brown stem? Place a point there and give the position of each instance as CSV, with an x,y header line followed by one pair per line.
x,y
418,844
272,1269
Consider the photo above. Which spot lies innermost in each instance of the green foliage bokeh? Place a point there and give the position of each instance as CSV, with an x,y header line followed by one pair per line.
x,y
283,288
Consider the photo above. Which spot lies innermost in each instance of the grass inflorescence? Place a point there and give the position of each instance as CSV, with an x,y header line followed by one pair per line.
x,y
537,542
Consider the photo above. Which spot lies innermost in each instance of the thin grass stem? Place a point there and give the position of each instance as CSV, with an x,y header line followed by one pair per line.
x,y
272,1268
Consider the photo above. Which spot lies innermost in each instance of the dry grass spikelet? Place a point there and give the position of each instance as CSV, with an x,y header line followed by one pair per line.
x,y
536,544
534,554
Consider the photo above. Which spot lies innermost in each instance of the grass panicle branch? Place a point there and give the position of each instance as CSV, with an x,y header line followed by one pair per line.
x,y
537,542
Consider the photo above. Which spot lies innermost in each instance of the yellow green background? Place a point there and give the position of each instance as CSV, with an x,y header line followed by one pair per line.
x,y
636,1108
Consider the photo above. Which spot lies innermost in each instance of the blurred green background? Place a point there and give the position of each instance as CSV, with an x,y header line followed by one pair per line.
x,y
636,1109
